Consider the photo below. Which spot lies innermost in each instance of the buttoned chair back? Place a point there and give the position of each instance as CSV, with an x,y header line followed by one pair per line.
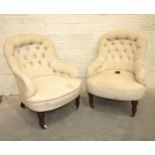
x,y
34,54
121,50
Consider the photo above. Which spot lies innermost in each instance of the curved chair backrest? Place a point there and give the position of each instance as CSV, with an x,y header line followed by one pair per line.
x,y
32,53
122,49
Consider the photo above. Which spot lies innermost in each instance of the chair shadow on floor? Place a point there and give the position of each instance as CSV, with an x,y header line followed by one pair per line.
x,y
115,107
30,117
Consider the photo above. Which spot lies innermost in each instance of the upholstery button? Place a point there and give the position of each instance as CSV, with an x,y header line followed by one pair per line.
x,y
135,39
116,49
43,55
34,55
120,56
41,43
130,44
105,45
49,64
27,48
116,38
39,62
125,50
122,42
45,47
112,43
37,47
31,63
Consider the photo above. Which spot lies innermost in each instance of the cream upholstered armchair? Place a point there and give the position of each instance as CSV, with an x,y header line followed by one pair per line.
x,y
118,71
44,81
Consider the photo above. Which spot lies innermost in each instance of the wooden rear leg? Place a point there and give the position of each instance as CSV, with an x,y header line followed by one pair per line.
x,y
77,102
91,96
134,107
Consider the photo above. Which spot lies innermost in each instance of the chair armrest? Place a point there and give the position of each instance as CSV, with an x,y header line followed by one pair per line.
x,y
25,84
65,68
140,74
94,66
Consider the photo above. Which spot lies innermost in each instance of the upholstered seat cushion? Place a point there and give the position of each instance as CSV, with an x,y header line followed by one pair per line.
x,y
113,84
54,87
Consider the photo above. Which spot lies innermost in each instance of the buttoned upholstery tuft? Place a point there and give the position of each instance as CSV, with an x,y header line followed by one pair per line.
x,y
123,51
43,80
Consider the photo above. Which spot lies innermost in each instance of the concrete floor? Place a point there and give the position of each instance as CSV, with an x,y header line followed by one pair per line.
x,y
109,120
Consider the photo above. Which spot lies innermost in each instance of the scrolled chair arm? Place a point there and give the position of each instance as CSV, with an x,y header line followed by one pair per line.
x,y
66,68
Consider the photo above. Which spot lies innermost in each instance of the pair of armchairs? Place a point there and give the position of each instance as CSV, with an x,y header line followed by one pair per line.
x,y
46,83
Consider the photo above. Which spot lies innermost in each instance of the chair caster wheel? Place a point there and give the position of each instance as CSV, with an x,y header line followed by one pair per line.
x,y
43,126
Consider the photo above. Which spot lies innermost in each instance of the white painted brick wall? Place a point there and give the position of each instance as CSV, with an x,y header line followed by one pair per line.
x,y
75,38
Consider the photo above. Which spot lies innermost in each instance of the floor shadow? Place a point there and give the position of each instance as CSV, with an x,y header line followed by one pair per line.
x,y
112,106
29,117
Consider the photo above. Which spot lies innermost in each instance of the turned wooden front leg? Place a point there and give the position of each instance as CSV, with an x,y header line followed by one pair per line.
x,y
134,107
91,96
77,102
41,116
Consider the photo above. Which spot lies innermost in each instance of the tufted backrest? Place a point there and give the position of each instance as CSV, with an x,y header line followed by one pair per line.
x,y
121,50
33,53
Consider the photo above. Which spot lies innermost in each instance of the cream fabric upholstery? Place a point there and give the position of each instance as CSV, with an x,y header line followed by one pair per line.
x,y
124,51
44,81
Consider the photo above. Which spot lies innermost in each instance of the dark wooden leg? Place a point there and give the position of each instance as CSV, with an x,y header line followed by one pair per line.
x,y
41,116
91,96
77,102
134,107
22,105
